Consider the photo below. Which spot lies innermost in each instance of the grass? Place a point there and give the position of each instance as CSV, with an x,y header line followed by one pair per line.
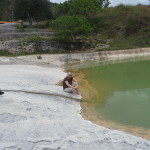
x,y
36,38
42,24
23,54
120,43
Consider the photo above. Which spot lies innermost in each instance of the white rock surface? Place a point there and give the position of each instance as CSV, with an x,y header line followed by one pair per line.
x,y
31,121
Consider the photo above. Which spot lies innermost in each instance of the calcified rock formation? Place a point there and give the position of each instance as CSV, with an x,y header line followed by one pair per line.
x,y
12,40
31,121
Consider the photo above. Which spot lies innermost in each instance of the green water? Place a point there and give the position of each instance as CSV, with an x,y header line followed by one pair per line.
x,y
123,92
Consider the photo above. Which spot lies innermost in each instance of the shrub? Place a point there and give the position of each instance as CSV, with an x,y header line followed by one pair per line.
x,y
39,57
81,7
71,26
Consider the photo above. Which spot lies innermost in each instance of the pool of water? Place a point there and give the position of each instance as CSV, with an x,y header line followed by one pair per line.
x,y
123,92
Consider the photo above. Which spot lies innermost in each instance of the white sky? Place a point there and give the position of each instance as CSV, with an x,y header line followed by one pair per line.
x,y
116,2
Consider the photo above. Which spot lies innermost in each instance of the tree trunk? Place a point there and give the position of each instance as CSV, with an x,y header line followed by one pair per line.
x,y
30,19
72,36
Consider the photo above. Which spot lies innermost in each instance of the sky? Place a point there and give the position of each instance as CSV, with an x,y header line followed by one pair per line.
x,y
117,2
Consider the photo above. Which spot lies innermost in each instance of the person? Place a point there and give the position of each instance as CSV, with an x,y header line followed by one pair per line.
x,y
1,93
70,84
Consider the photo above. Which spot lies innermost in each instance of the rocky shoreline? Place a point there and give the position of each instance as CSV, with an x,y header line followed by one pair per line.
x,y
34,121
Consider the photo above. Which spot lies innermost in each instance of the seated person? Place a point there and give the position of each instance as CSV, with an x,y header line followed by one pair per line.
x,y
70,84
1,93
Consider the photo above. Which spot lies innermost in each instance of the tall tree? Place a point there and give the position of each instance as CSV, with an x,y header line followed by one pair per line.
x,y
81,7
32,10
6,10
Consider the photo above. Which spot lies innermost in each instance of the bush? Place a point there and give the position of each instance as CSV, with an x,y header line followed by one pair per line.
x,y
81,7
71,26
39,57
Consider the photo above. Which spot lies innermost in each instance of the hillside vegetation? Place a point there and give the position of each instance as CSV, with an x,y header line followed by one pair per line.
x,y
90,21
111,28
127,26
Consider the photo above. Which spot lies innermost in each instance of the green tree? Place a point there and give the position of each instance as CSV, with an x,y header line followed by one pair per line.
x,y
32,10
71,26
6,10
81,7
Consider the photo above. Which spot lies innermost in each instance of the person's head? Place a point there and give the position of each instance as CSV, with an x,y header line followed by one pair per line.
x,y
69,75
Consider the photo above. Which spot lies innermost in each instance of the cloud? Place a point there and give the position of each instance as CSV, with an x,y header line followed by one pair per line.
x,y
117,2
57,1
128,2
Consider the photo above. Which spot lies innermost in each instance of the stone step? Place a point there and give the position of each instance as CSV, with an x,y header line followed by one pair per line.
x,y
17,46
12,36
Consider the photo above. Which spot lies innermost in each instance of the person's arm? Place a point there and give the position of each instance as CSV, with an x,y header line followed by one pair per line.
x,y
67,83
75,82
